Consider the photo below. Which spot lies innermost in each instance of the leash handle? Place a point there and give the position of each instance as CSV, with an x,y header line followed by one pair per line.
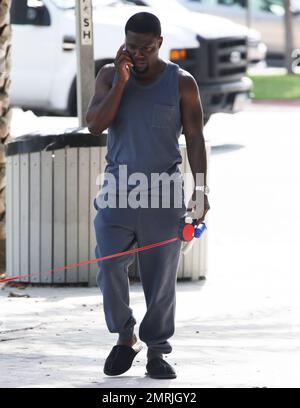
x,y
190,234
188,229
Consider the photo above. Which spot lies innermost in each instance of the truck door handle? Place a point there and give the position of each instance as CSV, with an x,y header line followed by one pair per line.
x,y
69,43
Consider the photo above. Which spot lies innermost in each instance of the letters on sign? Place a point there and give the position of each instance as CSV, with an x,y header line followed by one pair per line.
x,y
86,22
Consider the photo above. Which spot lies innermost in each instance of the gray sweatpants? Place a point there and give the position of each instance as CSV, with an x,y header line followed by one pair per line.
x,y
118,230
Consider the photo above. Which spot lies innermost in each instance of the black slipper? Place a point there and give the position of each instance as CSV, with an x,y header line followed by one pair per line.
x,y
160,369
120,359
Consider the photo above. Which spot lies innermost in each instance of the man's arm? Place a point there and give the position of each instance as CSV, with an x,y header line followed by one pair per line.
x,y
192,122
106,101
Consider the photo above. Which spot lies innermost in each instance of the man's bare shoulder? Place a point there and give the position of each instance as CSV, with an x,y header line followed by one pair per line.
x,y
184,74
187,82
106,73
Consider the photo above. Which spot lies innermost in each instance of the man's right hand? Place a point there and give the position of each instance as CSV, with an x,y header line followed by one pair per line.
x,y
123,62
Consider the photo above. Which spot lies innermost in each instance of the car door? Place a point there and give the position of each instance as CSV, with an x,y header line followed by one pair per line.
x,y
267,16
33,52
231,9
268,19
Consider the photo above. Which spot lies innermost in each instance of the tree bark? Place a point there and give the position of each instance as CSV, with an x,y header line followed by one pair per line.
x,y
5,114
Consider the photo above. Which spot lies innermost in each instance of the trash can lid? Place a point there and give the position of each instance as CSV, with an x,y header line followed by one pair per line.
x,y
36,142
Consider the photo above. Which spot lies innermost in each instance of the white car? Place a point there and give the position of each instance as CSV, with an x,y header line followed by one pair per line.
x,y
266,16
44,58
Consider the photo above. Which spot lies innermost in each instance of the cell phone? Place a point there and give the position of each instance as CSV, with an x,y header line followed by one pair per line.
x,y
125,49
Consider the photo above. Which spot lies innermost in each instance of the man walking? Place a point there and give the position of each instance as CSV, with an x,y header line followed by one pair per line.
x,y
146,103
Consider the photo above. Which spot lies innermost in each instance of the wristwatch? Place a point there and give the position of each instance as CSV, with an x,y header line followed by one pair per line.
x,y
205,189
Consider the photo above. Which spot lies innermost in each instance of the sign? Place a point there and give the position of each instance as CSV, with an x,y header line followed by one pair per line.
x,y
86,22
85,77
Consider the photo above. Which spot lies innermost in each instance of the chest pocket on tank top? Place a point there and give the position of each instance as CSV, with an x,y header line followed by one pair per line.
x,y
163,116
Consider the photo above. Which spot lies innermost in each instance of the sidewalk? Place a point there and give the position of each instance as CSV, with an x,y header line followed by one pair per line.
x,y
239,328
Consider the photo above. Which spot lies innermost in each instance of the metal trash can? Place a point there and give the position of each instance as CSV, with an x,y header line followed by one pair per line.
x,y
51,184
50,190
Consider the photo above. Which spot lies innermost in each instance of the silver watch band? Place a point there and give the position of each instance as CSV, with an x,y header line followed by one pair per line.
x,y
205,189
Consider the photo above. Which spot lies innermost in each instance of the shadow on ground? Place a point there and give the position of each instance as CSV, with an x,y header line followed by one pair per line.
x,y
226,148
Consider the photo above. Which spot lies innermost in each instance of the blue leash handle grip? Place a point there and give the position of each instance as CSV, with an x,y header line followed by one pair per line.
x,y
199,230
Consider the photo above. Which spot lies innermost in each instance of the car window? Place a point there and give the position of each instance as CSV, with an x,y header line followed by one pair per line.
x,y
204,2
220,2
25,12
273,7
270,6
232,3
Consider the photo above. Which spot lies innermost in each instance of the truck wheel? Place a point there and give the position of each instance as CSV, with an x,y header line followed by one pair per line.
x,y
72,105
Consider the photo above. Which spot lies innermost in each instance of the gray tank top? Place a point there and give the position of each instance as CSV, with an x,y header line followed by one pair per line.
x,y
144,134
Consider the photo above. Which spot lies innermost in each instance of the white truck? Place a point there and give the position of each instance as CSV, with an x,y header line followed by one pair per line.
x,y
44,57
267,16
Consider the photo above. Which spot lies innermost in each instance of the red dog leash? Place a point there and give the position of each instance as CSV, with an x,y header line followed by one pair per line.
x,y
187,232
130,251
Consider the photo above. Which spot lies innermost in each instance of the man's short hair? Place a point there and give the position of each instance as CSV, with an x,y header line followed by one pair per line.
x,y
144,23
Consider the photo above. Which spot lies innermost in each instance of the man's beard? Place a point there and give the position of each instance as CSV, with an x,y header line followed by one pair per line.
x,y
141,70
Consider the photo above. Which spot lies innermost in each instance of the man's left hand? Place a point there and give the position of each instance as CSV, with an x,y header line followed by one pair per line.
x,y
199,205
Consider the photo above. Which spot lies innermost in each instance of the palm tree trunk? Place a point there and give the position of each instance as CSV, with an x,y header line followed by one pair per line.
x,y
5,113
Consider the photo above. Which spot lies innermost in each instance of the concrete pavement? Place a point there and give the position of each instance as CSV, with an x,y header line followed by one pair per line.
x,y
239,328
